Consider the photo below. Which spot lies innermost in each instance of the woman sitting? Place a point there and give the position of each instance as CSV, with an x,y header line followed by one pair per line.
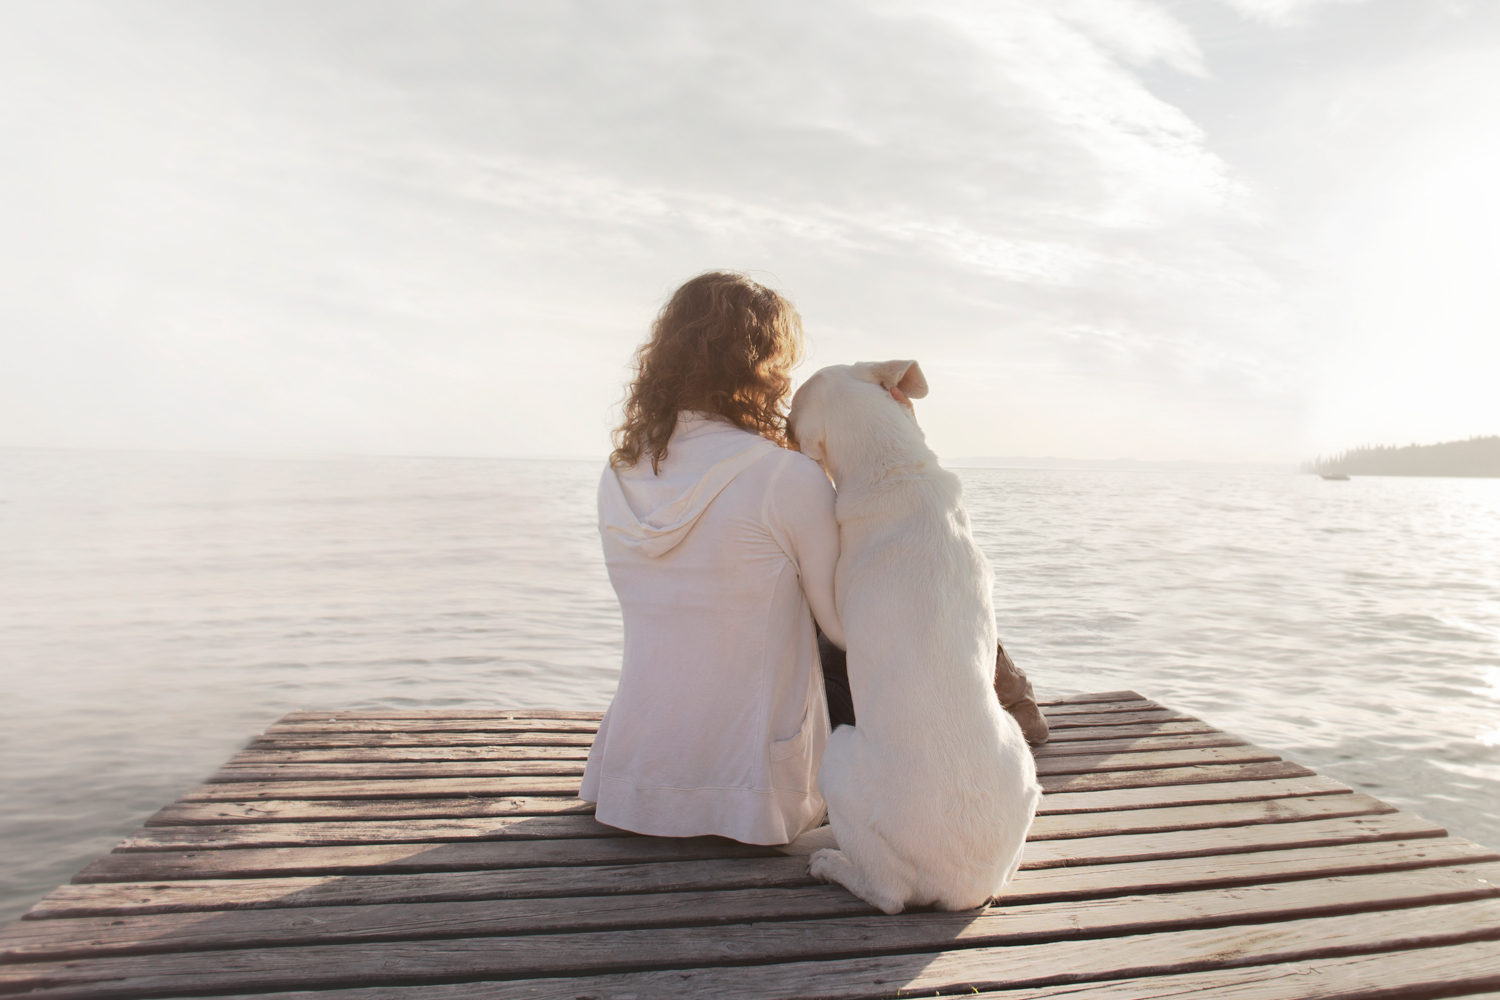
x,y
721,544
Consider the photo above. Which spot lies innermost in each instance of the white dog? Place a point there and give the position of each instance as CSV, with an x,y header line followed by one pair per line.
x,y
931,793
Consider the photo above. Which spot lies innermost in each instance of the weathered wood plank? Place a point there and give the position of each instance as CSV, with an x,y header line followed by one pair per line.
x,y
1221,840
200,837
470,712
317,740
32,941
38,940
306,810
1099,763
1058,710
1138,744
1162,796
436,726
257,862
1078,733
312,810
1440,971
312,741
911,955
512,714
1040,885
429,788
260,756
480,768
454,712
1046,827
1118,717
1449,972
1080,699
565,785
419,769
264,755
1192,775
1098,714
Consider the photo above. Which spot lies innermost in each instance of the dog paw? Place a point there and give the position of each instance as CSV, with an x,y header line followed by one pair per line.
x,y
822,863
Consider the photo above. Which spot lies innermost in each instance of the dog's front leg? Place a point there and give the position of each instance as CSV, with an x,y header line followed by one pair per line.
x,y
831,865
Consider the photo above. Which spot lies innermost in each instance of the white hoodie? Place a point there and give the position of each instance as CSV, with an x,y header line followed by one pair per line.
x,y
719,722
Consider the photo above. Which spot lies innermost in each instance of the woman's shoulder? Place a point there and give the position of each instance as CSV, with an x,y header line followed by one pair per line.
x,y
797,476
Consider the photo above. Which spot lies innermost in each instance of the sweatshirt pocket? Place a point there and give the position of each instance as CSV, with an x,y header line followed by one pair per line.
x,y
791,764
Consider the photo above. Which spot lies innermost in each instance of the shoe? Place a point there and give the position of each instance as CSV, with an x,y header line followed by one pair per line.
x,y
1014,692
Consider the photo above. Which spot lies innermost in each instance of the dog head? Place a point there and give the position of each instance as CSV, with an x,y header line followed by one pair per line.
x,y
841,406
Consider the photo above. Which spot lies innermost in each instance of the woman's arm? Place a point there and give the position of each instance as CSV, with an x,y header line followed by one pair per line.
x,y
801,512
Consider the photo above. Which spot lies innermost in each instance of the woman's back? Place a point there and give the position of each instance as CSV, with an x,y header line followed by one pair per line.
x,y
720,719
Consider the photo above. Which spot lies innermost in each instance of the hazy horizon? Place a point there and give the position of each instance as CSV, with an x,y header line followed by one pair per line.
x,y
1211,230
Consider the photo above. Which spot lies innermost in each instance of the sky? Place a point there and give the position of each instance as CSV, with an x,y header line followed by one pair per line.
x,y
1232,230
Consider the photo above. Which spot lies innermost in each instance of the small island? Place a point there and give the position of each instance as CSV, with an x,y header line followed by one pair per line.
x,y
1476,457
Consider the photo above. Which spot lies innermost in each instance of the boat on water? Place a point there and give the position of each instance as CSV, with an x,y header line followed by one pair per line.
x,y
1337,477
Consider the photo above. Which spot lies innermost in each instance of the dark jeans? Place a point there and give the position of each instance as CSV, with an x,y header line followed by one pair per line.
x,y
836,682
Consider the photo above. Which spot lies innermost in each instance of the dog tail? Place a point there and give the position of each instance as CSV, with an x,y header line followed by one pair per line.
x,y
812,840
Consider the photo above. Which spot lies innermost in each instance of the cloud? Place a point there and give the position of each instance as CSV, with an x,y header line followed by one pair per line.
x,y
443,226
1282,13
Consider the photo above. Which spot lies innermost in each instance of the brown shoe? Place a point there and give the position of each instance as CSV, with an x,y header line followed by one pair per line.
x,y
1014,692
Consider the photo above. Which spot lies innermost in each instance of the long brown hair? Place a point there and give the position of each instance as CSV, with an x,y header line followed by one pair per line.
x,y
722,344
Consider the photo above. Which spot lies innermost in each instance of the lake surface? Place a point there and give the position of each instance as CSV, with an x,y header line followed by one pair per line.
x,y
158,610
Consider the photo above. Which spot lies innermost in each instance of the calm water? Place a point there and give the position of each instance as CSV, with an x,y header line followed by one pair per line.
x,y
158,610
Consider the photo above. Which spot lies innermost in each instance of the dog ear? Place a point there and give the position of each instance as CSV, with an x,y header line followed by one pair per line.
x,y
904,375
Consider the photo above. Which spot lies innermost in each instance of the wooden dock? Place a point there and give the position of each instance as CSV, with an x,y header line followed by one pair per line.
x,y
385,855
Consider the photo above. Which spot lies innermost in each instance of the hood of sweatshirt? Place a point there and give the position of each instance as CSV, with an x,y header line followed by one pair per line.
x,y
652,512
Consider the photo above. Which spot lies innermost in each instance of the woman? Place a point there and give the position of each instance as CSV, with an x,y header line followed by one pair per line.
x,y
721,545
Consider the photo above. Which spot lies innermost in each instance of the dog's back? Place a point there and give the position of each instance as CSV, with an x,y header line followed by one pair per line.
x,y
932,792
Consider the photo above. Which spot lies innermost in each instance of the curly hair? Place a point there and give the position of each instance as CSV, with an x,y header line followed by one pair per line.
x,y
722,344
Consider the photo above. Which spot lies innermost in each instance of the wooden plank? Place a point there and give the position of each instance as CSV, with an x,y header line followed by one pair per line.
x,y
1058,710
257,862
1219,840
1081,699
454,712
314,740
383,755
34,941
253,862
1040,885
116,899
1190,775
565,785
304,810
357,754
429,788
470,712
1070,764
1075,733
1104,713
436,726
41,940
1119,717
313,810
1047,827
996,950
205,837
1449,972
419,769
1152,759
1419,972
1254,868
1161,796
311,741
1058,826
1138,744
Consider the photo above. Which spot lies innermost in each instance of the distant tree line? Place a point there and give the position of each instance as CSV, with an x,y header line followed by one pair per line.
x,y
1478,456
